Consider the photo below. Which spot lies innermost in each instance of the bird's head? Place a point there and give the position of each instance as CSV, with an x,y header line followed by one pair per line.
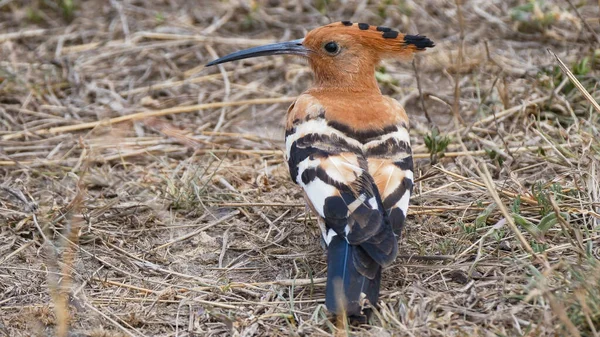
x,y
342,54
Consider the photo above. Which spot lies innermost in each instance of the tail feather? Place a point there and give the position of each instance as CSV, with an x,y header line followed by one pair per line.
x,y
383,252
346,286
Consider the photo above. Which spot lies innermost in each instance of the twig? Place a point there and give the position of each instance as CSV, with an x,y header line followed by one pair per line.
x,y
16,251
560,311
146,114
174,84
23,34
456,104
427,257
502,114
422,99
115,323
576,82
198,231
224,247
578,241
487,178
585,24
156,36
524,198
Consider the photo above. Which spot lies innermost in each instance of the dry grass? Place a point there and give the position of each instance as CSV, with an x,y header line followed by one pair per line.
x,y
142,195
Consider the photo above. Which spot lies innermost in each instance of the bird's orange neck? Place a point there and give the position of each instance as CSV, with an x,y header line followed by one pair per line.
x,y
346,76
349,83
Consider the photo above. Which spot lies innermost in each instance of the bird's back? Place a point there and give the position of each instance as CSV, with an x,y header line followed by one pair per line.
x,y
350,152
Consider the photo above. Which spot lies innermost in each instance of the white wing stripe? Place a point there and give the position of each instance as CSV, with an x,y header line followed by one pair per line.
x,y
408,174
403,202
400,136
303,165
330,234
317,191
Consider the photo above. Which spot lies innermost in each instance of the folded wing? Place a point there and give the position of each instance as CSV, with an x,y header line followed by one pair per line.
x,y
333,171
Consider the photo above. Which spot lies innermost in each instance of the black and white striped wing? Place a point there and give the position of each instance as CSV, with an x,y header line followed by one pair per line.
x,y
333,172
391,166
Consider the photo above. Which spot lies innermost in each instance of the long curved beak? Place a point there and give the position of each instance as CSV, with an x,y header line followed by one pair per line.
x,y
294,47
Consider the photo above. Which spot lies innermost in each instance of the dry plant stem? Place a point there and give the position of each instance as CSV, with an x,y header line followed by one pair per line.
x,y
287,283
62,292
146,114
421,98
15,252
456,104
561,247
487,178
427,258
588,313
584,22
224,247
23,34
500,115
498,131
578,244
524,198
115,323
174,84
489,184
60,289
576,82
319,281
559,309
151,35
198,231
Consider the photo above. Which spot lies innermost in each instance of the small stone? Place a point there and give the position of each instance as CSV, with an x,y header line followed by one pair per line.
x,y
505,245
459,276
149,102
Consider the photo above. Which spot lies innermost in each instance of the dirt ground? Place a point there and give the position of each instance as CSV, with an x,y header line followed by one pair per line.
x,y
143,195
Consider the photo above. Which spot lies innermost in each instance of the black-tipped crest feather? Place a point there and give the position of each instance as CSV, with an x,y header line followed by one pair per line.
x,y
419,41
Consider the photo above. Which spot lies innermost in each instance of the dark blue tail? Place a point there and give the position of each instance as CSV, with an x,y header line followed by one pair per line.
x,y
344,282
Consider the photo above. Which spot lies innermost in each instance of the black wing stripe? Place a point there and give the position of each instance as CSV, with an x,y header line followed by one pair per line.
x,y
397,219
405,164
330,143
392,199
387,148
336,212
317,172
299,154
363,136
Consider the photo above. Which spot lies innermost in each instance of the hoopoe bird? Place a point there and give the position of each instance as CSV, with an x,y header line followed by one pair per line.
x,y
348,147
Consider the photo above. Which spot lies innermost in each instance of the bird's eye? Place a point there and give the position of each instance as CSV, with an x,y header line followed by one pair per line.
x,y
332,48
